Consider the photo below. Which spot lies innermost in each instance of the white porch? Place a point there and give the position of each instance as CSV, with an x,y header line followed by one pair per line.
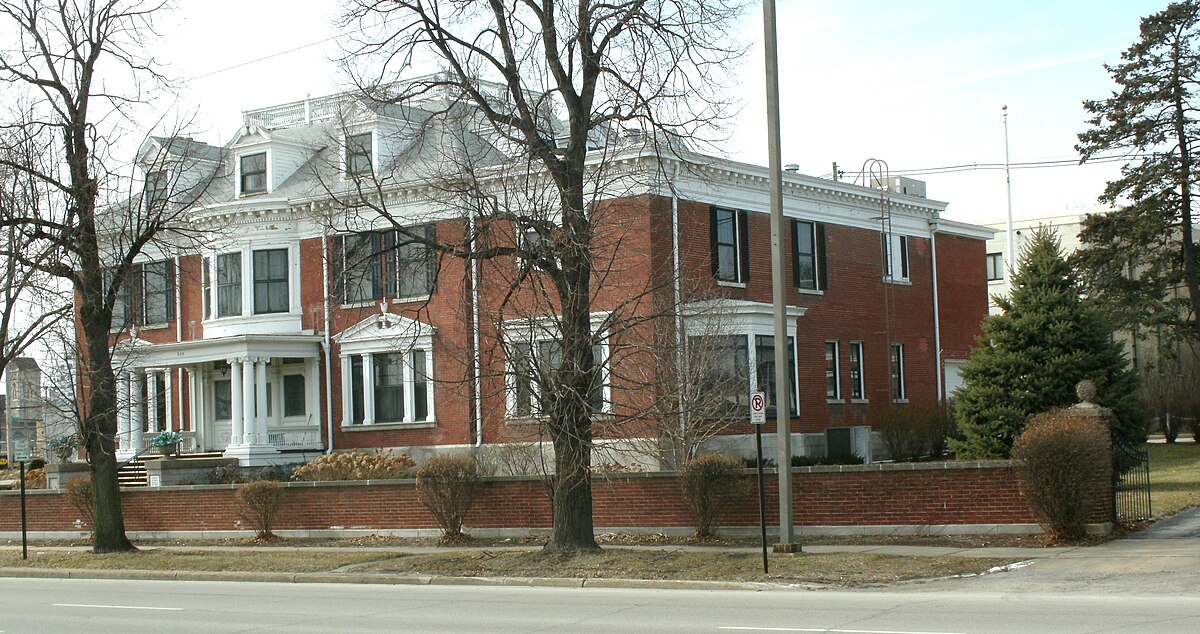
x,y
248,396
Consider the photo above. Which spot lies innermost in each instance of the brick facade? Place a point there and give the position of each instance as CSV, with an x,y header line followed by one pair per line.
x,y
633,249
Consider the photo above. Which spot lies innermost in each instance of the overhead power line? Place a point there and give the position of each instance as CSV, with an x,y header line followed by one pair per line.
x,y
971,167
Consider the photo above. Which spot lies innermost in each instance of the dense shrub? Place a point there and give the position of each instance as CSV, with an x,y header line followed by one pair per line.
x,y
833,459
752,463
710,483
356,465
448,486
912,432
258,503
35,479
226,474
1063,457
272,473
81,495
35,463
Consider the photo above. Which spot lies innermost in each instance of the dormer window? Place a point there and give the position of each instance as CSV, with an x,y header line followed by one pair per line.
x,y
358,154
155,191
254,173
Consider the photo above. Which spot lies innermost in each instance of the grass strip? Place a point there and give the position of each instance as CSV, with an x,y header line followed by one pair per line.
x,y
1174,477
846,569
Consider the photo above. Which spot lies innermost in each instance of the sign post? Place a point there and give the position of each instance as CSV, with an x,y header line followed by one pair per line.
x,y
21,454
758,416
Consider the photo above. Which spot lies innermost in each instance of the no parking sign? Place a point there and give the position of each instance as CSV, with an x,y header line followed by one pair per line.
x,y
758,408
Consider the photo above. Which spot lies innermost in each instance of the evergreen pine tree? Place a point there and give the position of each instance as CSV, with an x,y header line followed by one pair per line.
x,y
1031,356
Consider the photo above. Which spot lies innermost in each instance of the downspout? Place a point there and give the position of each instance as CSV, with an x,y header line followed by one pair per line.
x,y
476,365
176,377
325,341
937,328
680,356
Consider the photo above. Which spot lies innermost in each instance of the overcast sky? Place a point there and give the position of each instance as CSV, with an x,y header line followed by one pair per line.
x,y
919,84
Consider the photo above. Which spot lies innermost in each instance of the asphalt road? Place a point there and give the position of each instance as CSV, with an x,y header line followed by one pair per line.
x,y
80,605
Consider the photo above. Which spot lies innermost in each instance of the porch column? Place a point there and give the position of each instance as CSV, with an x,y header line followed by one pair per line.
x,y
235,399
368,374
409,401
124,437
347,391
248,414
168,383
260,391
152,402
136,400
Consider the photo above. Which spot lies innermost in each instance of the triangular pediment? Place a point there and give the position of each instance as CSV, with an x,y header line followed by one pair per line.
x,y
384,327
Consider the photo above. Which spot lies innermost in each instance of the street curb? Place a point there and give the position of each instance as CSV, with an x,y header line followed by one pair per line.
x,y
384,579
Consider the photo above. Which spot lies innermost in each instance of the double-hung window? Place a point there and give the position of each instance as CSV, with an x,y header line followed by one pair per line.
x,y
808,255
995,267
358,154
764,353
122,314
730,246
411,264
147,298
229,284
158,292
253,168
294,398
833,390
897,360
155,191
271,281
206,286
857,384
727,367
376,264
535,368
895,257
398,389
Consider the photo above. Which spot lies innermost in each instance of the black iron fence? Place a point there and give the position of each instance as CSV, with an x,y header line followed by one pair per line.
x,y
1131,495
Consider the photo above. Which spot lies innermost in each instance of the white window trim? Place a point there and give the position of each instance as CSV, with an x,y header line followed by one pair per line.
x,y
740,318
862,373
837,371
345,145
237,168
246,253
902,397
523,335
897,254
402,342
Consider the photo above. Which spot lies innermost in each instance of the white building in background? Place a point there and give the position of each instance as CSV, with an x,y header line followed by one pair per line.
x,y
1065,224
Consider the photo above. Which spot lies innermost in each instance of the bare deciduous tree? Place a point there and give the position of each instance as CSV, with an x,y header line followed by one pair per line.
x,y
544,88
80,76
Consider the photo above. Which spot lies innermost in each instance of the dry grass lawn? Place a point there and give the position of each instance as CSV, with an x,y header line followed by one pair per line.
x,y
848,569
1174,477
193,560
843,569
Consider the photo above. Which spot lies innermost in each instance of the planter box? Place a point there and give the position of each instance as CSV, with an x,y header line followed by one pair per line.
x,y
183,470
59,474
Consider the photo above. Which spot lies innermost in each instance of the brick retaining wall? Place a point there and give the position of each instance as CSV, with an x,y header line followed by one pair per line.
x,y
919,495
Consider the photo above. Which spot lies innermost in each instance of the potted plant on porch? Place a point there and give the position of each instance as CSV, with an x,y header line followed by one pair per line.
x,y
167,443
63,447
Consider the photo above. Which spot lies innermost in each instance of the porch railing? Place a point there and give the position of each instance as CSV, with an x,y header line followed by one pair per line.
x,y
303,438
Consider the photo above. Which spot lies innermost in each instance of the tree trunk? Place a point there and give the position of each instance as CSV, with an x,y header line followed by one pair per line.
x,y
99,427
573,529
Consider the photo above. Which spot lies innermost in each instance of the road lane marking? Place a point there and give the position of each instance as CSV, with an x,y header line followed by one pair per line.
x,y
826,630
113,607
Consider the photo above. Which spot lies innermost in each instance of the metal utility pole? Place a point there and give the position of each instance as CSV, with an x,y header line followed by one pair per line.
x,y
783,384
1010,262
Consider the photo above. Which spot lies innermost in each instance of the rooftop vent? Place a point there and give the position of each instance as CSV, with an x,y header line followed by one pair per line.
x,y
901,185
